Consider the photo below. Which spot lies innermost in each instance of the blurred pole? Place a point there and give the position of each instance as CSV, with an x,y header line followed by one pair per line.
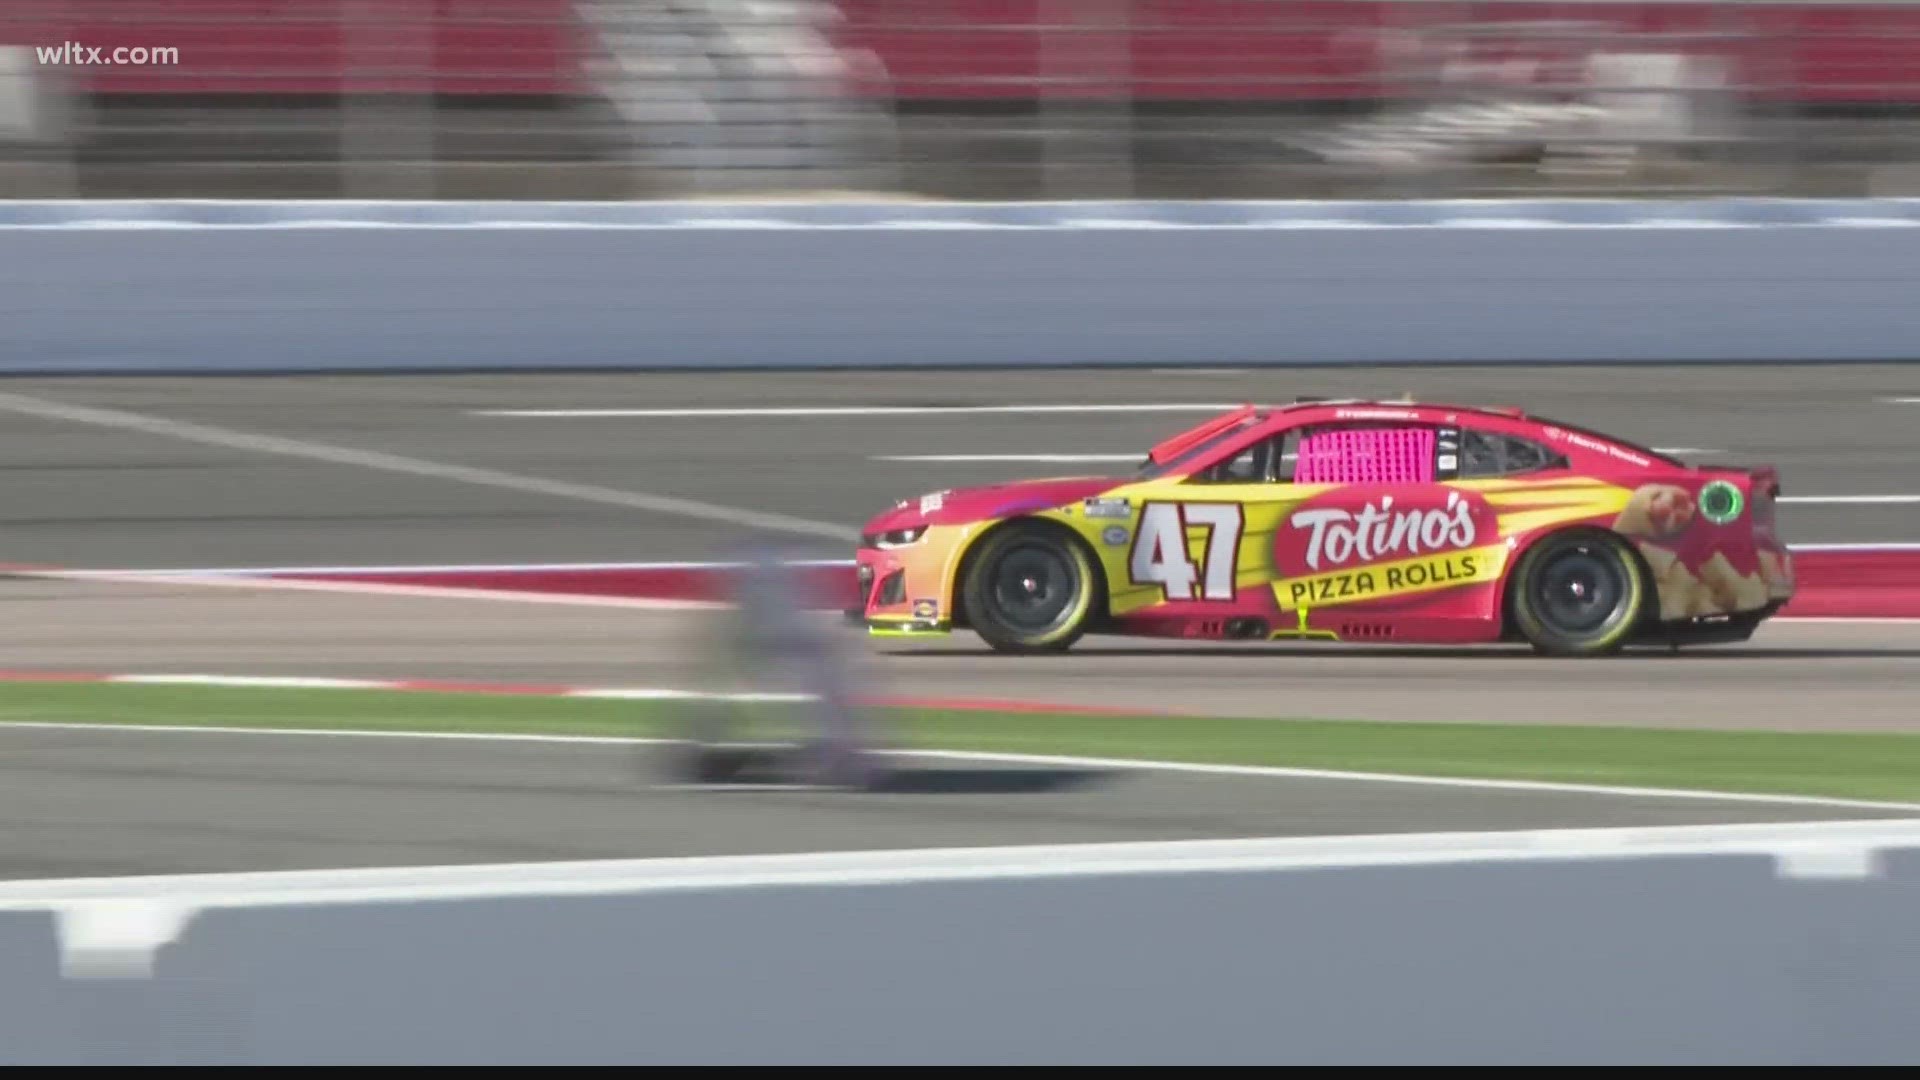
x,y
387,103
36,147
41,107
1086,98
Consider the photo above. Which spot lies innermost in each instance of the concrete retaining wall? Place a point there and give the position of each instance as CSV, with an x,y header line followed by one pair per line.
x,y
1756,945
281,287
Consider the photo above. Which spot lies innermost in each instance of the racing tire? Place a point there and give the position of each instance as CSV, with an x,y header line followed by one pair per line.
x,y
1030,588
1579,594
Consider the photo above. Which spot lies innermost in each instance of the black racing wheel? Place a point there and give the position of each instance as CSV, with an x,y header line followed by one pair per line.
x,y
1578,594
1030,588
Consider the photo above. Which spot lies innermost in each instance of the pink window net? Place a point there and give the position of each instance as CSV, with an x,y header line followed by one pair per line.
x,y
1379,455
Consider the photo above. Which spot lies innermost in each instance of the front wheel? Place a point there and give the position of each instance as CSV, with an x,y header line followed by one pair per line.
x,y
1578,595
1030,589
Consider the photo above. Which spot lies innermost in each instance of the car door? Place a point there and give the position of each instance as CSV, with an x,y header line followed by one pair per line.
x,y
1373,529
1204,545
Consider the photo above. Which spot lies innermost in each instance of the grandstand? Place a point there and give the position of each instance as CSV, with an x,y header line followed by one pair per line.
x,y
959,98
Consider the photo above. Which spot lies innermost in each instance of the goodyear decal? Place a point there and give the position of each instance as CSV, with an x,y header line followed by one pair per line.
x,y
1405,577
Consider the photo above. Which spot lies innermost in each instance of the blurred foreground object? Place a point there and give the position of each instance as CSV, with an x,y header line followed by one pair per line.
x,y
781,706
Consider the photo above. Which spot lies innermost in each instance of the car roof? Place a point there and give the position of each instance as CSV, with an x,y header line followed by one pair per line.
x,y
1306,408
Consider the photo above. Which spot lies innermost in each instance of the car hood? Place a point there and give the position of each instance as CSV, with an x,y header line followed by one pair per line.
x,y
954,506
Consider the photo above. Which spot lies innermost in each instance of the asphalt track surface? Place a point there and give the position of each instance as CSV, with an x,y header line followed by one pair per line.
x,y
116,802
103,494
398,470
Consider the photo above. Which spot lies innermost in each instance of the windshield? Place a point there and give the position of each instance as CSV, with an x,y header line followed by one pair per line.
x,y
1150,470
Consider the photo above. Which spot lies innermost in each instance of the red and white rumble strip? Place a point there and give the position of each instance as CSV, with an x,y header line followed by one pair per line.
x,y
1834,581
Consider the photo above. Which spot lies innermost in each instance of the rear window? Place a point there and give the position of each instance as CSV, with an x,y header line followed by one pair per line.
x,y
1486,454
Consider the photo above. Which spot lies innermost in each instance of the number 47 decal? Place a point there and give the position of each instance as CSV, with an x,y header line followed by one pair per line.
x,y
1159,555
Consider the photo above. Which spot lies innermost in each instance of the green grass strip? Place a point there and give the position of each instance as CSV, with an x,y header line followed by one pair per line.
x,y
1863,766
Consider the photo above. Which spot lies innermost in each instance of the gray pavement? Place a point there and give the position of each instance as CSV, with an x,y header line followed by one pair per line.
x,y
90,495
114,494
105,802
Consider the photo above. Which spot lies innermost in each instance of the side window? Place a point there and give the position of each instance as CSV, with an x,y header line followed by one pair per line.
x,y
1486,454
1366,453
1267,461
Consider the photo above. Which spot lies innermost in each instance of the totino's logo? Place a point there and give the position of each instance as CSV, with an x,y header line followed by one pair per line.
x,y
1337,536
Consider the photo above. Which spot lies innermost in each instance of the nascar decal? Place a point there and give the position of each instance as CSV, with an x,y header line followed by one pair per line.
x,y
1370,545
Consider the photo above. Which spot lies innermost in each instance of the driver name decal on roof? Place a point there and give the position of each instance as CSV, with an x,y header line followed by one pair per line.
x,y
1375,414
1585,443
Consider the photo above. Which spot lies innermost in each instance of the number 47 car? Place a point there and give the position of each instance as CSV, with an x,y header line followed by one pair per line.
x,y
1345,521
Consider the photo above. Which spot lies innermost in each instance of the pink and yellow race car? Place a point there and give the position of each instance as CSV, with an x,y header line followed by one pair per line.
x,y
1349,521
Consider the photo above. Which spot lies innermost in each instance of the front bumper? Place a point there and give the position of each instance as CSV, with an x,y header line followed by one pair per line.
x,y
888,605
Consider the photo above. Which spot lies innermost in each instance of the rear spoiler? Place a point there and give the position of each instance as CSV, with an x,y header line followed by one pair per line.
x,y
1192,437
1761,479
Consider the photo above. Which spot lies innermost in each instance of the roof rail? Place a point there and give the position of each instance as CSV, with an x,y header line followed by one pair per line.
x,y
1313,400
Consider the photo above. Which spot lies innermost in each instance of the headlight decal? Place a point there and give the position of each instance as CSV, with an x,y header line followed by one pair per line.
x,y
895,538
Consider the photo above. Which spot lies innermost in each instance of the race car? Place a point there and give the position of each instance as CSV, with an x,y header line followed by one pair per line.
x,y
1345,521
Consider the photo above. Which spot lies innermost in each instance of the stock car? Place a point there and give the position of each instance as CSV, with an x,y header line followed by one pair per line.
x,y
1345,521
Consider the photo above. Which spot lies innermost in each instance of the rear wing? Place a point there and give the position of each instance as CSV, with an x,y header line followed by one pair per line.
x,y
1763,489
1192,437
1762,480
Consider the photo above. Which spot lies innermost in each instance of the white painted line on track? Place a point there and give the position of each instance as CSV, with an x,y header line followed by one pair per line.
x,y
1860,620
1851,500
115,926
370,588
859,410
261,681
458,568
1864,546
173,899
1035,458
119,420
447,568
461,568
1139,764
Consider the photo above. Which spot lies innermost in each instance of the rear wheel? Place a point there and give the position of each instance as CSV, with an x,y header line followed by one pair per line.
x,y
1578,594
1030,589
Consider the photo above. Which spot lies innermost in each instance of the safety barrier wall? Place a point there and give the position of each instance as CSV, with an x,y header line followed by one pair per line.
x,y
1733,944
90,287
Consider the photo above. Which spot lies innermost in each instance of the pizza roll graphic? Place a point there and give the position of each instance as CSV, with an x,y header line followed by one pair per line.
x,y
1706,600
1732,590
1660,560
1679,592
1656,510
